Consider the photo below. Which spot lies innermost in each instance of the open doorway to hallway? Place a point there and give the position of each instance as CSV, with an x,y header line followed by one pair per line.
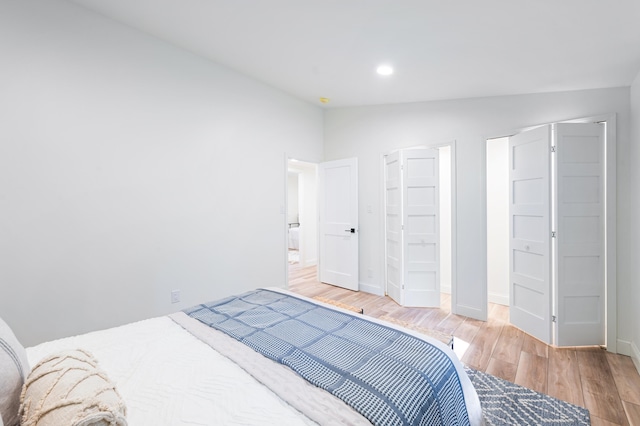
x,y
302,224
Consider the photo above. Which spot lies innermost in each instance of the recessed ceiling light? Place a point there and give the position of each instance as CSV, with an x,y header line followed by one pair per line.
x,y
384,70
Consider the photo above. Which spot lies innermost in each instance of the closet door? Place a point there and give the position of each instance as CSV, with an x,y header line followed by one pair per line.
x,y
393,217
421,236
530,232
580,234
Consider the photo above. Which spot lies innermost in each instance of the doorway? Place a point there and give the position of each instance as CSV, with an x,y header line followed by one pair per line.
x,y
497,151
434,237
301,215
562,313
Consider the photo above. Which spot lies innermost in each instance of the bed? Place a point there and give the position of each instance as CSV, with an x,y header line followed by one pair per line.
x,y
205,366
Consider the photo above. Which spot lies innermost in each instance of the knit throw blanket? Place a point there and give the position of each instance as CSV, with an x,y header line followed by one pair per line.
x,y
390,377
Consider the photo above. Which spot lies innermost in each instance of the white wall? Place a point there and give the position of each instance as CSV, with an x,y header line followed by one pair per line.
x,y
118,173
633,298
368,132
498,220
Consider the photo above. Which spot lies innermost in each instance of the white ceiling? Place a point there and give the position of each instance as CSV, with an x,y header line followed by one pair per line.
x,y
439,49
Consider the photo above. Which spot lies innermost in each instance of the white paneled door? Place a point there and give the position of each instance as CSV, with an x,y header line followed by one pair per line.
x,y
530,232
557,233
338,216
421,237
393,216
412,227
580,234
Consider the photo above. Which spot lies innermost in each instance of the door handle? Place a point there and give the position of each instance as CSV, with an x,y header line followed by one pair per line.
x,y
352,230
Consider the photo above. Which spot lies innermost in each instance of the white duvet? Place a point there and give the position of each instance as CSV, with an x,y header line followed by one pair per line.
x,y
168,377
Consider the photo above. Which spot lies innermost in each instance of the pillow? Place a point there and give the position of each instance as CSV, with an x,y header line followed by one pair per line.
x,y
67,388
14,368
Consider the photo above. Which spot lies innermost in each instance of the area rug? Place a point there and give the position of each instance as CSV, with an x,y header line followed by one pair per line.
x,y
505,403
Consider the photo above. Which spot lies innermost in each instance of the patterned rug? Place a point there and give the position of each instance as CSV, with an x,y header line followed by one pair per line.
x,y
505,403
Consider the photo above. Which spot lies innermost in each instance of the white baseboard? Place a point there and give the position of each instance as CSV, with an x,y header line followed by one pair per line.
x,y
623,347
370,288
311,262
500,299
635,355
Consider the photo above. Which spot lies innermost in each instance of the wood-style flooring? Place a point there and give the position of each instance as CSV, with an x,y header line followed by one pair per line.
x,y
608,385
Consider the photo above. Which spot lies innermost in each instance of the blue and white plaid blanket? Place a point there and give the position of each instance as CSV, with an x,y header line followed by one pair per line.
x,y
390,377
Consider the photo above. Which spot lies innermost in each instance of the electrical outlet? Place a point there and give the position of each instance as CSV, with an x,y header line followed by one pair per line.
x,y
175,296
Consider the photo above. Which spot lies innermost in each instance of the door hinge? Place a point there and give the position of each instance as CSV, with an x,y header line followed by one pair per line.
x,y
553,318
553,148
553,234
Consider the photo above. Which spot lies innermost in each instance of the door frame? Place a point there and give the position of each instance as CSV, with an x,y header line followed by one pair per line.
x,y
454,215
610,121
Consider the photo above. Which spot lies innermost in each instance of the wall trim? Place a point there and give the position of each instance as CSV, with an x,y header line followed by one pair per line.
x,y
500,299
370,288
623,347
635,355
311,262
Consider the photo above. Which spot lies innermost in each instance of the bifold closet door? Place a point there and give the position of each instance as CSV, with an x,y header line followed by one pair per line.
x,y
530,232
393,217
412,227
421,220
557,233
580,234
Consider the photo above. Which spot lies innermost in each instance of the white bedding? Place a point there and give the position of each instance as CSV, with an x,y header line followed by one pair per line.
x,y
168,377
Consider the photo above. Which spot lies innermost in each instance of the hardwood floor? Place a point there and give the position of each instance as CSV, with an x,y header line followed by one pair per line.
x,y
606,384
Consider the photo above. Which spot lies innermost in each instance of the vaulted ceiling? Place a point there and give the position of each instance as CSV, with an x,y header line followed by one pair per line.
x,y
439,49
